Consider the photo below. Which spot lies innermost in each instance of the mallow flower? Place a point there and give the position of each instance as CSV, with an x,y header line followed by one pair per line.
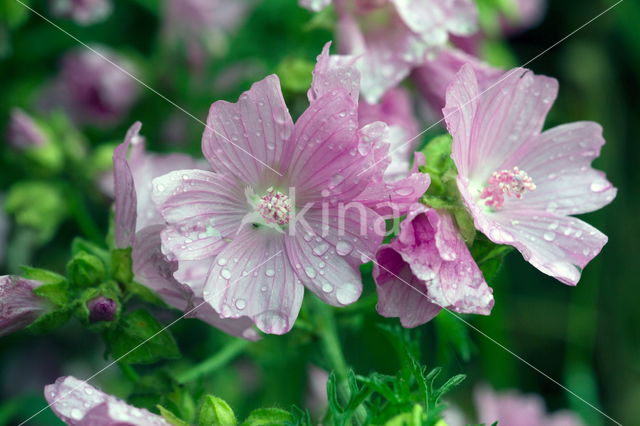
x,y
138,225
19,306
83,12
77,403
391,37
515,409
428,267
521,184
202,26
434,76
93,89
289,205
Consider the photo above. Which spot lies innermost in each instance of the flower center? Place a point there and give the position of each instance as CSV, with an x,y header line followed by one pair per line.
x,y
274,207
512,183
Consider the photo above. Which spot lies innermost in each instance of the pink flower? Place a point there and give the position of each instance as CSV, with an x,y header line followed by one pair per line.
x,y
93,89
138,224
274,211
435,75
202,26
521,184
428,267
77,403
84,12
514,409
395,109
19,307
391,37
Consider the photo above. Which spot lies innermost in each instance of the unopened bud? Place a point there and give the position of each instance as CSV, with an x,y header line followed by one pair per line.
x,y
102,309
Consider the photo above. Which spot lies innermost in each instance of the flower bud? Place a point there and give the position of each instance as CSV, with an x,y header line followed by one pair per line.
x,y
102,309
33,141
85,269
19,306
23,132
215,411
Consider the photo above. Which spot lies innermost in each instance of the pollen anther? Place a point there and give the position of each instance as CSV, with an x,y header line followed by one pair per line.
x,y
275,207
512,183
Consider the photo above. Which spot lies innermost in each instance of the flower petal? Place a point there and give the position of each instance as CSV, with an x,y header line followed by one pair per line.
x,y
427,17
125,191
559,162
202,209
248,139
253,277
334,72
19,306
78,403
559,246
435,75
488,127
327,252
400,293
326,161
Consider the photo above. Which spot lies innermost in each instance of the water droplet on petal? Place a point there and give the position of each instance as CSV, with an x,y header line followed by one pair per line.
x,y
241,304
327,288
600,185
311,273
549,236
343,248
225,273
321,249
347,293
222,261
269,272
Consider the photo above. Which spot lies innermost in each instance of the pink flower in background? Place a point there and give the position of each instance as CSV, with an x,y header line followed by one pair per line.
x,y
19,307
23,132
391,37
428,267
83,12
94,89
202,26
526,14
514,409
435,75
77,403
396,110
521,184
271,213
138,224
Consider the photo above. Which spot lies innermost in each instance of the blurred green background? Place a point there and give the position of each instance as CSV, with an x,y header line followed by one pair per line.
x,y
585,337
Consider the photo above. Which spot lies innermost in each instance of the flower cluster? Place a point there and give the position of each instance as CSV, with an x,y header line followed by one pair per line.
x,y
278,207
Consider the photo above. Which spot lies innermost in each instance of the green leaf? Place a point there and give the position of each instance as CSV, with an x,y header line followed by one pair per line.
x,y
145,294
50,321
170,417
216,411
13,13
452,332
42,275
489,256
268,417
86,270
295,74
437,155
140,339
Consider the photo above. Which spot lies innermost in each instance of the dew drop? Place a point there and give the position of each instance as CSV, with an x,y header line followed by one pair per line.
x,y
311,273
270,272
343,248
327,288
225,273
600,185
241,304
549,236
321,249
222,261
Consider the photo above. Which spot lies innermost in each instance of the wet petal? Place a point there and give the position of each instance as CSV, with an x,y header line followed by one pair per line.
x,y
125,191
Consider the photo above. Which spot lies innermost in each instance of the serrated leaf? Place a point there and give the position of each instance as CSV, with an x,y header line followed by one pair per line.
x,y
56,293
141,339
122,265
42,275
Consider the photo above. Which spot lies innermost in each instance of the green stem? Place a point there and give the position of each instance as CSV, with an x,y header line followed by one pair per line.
x,y
81,215
129,372
328,332
226,354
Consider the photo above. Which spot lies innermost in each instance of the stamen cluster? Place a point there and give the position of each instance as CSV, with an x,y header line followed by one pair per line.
x,y
512,183
275,207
